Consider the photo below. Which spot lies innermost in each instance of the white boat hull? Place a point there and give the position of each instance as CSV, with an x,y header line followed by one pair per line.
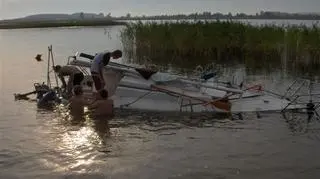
x,y
154,101
131,93
127,87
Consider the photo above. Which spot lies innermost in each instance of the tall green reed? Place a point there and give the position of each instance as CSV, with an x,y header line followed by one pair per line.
x,y
187,44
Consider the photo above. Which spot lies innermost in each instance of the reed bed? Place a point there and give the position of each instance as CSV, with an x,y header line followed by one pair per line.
x,y
187,44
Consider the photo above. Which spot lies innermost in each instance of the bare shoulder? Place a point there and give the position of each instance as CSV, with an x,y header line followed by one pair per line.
x,y
77,99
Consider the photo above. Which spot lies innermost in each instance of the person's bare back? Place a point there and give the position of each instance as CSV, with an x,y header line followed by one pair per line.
x,y
76,106
77,103
102,106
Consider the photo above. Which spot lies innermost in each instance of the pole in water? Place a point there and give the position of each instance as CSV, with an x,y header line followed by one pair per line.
x,y
23,96
48,69
53,64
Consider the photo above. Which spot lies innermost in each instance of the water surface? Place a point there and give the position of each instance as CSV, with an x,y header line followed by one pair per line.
x,y
37,143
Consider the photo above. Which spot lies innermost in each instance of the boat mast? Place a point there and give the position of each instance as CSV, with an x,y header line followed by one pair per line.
x,y
48,69
50,58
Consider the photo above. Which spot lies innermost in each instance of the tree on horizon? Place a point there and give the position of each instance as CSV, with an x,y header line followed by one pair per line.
x,y
82,15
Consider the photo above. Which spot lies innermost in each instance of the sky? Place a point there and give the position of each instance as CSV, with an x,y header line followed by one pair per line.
x,y
20,8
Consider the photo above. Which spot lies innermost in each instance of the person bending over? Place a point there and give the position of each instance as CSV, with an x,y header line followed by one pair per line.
x,y
75,77
98,63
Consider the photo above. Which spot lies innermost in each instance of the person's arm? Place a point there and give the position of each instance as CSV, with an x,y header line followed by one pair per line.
x,y
70,84
87,102
93,105
64,84
112,108
68,105
101,74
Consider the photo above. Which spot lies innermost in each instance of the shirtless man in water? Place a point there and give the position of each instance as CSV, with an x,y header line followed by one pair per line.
x,y
77,103
102,106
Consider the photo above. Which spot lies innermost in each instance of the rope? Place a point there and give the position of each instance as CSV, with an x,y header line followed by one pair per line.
x,y
84,70
136,99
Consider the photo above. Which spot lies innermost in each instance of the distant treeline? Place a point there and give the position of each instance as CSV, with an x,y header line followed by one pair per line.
x,y
202,15
91,19
210,15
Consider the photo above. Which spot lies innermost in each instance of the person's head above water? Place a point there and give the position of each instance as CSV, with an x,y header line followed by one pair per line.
x,y
104,94
115,55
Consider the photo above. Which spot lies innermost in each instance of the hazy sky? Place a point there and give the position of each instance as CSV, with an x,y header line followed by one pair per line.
x,y
19,8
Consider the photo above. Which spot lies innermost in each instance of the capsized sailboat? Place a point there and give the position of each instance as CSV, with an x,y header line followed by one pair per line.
x,y
146,89
139,88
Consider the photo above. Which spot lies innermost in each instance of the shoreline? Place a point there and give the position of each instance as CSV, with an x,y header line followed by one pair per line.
x,y
50,24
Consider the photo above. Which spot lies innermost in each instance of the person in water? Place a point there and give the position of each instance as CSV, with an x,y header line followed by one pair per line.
x,y
102,106
75,77
77,103
99,61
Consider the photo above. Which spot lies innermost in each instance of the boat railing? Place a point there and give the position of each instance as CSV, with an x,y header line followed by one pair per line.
x,y
296,97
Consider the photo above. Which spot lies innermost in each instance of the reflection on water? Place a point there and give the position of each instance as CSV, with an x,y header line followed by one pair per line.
x,y
76,141
138,144
301,123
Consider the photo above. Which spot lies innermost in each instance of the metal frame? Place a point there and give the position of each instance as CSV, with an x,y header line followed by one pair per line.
x,y
51,59
312,106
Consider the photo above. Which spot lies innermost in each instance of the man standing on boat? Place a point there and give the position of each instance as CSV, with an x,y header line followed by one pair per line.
x,y
75,77
98,63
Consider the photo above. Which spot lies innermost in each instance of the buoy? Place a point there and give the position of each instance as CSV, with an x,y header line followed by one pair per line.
x,y
38,57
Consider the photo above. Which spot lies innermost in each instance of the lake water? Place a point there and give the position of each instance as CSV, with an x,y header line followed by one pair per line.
x,y
37,143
